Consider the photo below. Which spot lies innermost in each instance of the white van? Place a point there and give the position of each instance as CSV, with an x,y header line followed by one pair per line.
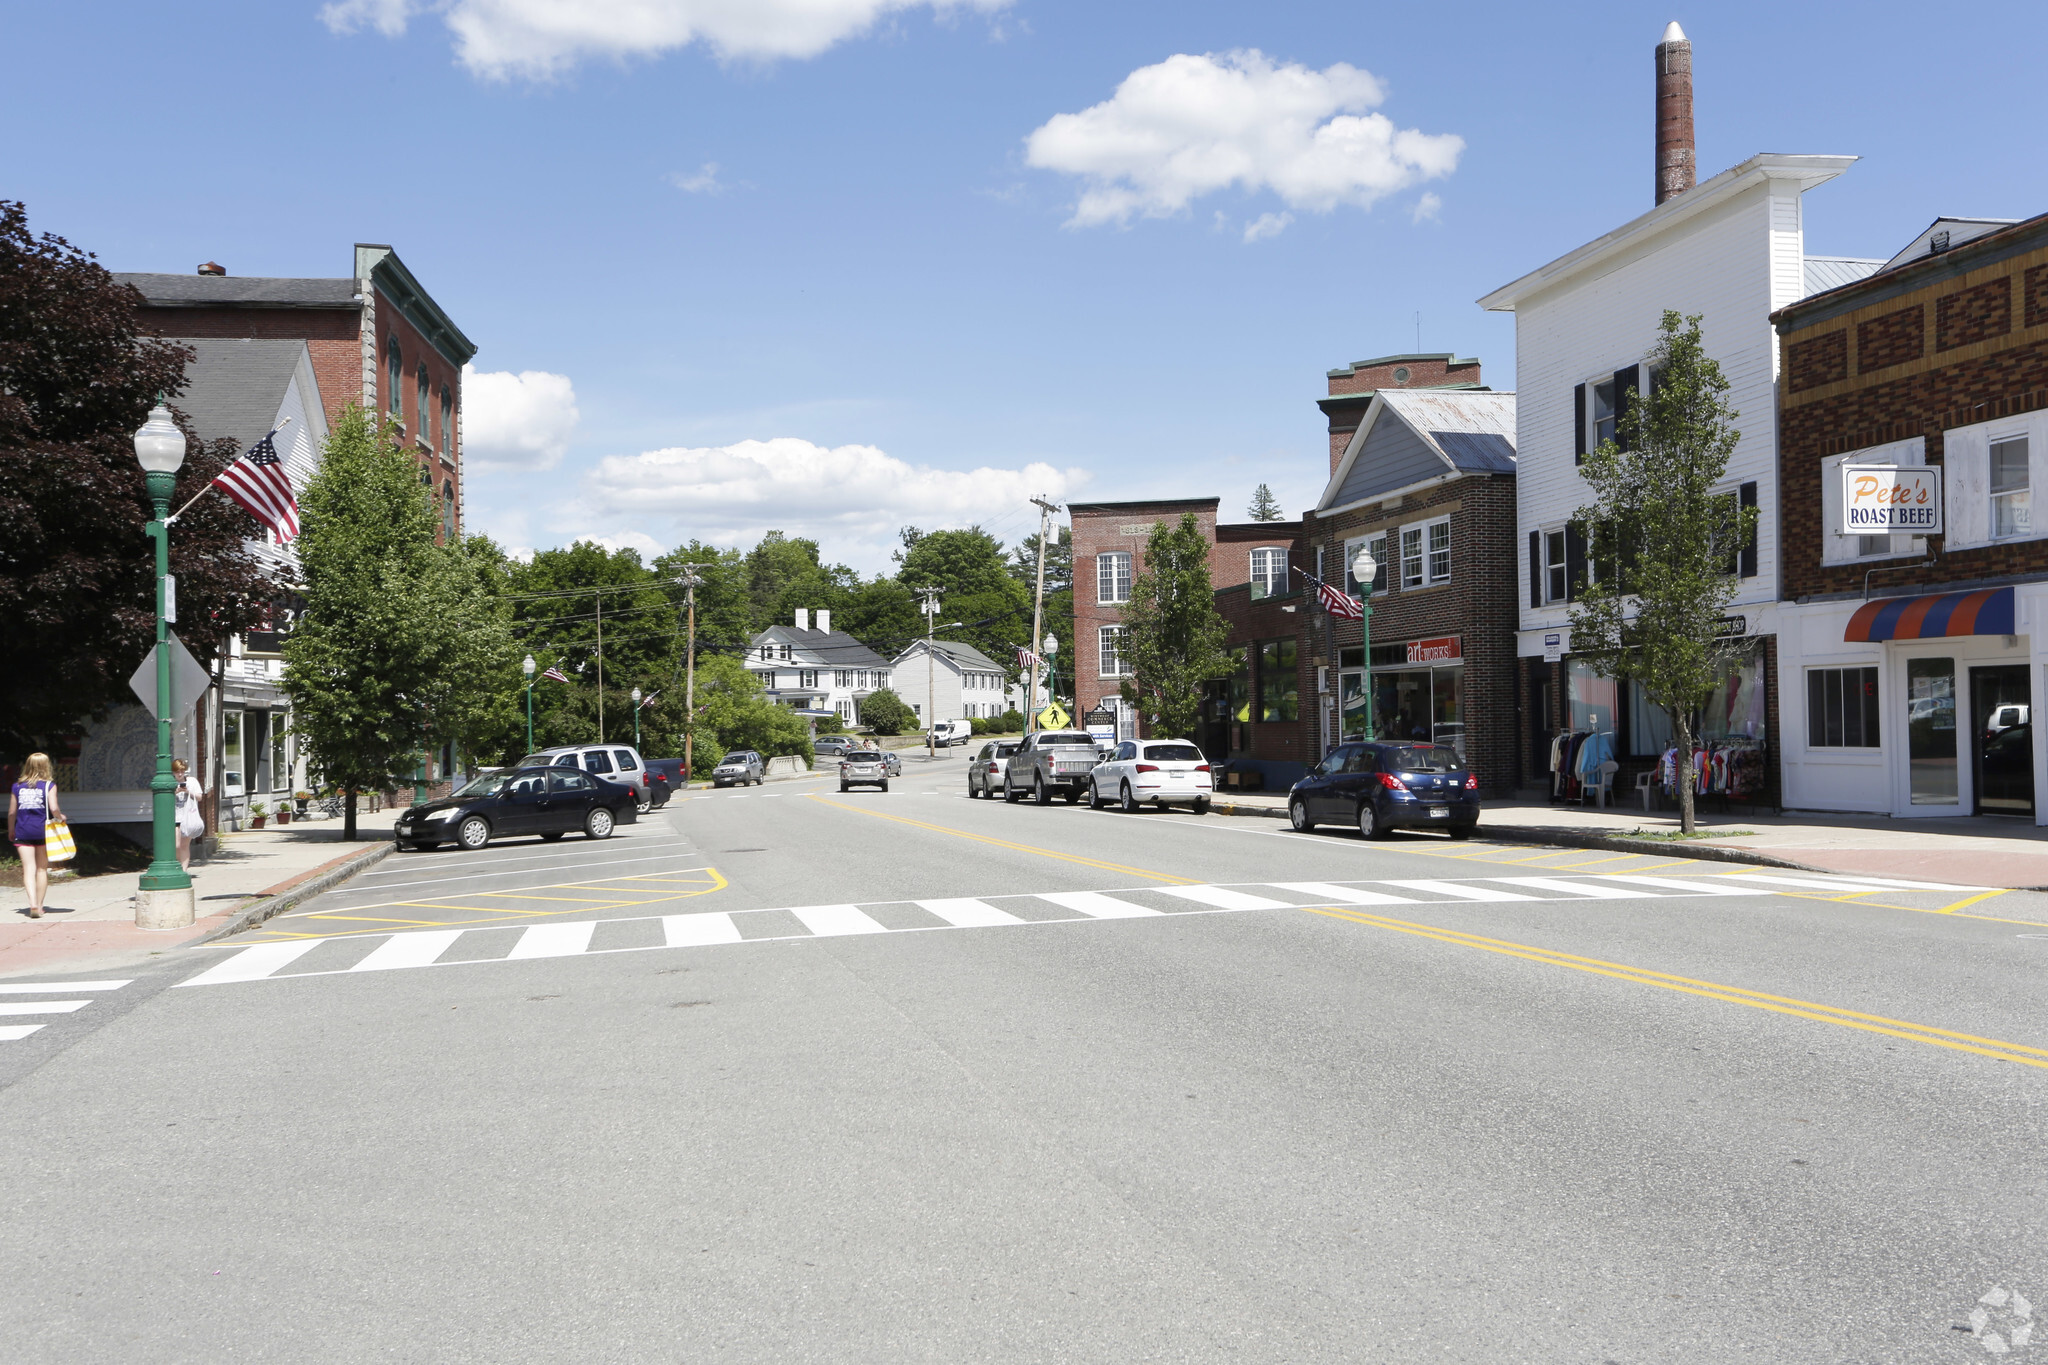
x,y
948,732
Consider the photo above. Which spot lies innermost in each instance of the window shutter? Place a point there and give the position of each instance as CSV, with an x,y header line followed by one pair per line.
x,y
1579,422
1747,498
1574,561
1626,382
1535,568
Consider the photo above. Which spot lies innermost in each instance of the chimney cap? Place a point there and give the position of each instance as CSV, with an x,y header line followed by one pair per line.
x,y
213,268
1673,33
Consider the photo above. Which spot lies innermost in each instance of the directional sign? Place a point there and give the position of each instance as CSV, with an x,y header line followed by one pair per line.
x,y
188,679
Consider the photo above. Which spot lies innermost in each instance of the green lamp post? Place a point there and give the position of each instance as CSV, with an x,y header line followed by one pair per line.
x,y
636,720
1362,570
527,669
165,901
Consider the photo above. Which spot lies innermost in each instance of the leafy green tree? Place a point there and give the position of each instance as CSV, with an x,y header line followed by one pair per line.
x,y
1665,541
1173,636
1265,507
884,713
734,713
556,600
403,646
783,574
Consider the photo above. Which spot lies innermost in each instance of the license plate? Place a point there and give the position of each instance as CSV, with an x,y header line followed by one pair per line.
x,y
1439,812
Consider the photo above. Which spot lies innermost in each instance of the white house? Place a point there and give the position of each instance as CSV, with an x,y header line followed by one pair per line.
x,y
816,668
963,683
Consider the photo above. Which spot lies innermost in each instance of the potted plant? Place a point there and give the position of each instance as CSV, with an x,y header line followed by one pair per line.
x,y
300,799
284,812
258,811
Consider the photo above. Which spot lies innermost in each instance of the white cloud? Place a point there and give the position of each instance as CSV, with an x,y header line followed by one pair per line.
x,y
539,39
1426,208
705,181
1193,125
516,421
647,545
853,498
1266,225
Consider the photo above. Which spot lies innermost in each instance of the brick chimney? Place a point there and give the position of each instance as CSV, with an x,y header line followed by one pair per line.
x,y
1675,169
213,268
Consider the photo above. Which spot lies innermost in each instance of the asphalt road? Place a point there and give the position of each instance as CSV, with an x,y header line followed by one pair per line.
x,y
789,1075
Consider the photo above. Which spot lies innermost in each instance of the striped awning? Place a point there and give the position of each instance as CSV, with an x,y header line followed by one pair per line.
x,y
1987,612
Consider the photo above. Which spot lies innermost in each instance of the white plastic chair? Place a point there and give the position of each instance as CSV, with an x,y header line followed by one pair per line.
x,y
1602,790
1646,786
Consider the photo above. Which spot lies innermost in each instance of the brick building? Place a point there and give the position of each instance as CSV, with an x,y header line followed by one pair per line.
x,y
1109,551
1352,388
1904,656
375,337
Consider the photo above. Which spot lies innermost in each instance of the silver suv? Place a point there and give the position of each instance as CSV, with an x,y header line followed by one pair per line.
x,y
620,763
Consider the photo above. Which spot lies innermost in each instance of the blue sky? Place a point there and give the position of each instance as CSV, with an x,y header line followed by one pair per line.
x,y
876,309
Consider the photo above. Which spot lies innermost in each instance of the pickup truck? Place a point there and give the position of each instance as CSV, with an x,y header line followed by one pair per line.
x,y
1049,761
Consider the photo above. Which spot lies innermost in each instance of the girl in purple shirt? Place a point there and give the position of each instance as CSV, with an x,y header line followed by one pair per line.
x,y
30,806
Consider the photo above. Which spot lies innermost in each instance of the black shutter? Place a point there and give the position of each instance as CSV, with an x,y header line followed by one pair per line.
x,y
1747,498
1574,562
1579,422
1535,568
1626,381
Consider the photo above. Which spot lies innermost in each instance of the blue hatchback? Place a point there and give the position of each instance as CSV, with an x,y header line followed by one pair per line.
x,y
1384,786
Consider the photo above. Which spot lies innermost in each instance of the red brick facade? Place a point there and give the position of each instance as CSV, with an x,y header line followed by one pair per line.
x,y
1122,528
1353,385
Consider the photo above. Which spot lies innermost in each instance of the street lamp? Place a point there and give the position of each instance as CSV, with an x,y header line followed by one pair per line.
x,y
1362,570
165,901
636,720
527,669
1051,645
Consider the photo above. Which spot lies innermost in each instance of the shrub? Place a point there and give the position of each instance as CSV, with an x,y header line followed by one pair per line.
x,y
831,725
1012,723
885,714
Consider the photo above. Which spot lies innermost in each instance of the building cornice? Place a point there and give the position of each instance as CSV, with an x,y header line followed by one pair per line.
x,y
1913,276
380,266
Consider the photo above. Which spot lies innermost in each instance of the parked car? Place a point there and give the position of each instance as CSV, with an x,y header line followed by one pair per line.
x,y
864,767
1388,785
741,767
665,777
834,746
950,732
1164,772
985,769
2006,715
548,801
893,761
1048,761
618,763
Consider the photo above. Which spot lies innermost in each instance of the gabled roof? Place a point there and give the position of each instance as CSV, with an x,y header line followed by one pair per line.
x,y
1418,436
236,388
1953,232
966,657
824,648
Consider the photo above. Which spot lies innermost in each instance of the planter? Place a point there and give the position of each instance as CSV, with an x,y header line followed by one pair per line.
x,y
257,821
284,816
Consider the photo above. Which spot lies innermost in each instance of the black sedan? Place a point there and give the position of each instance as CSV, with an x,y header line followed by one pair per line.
x,y
549,802
1382,786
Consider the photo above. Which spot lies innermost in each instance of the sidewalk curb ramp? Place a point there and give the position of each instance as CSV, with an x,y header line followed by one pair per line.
x,y
282,897
1509,834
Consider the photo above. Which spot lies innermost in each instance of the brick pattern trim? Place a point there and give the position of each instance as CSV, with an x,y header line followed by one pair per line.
x,y
2036,287
1890,340
1975,314
1820,360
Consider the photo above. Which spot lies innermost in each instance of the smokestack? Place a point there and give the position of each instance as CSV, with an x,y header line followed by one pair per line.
x,y
1675,169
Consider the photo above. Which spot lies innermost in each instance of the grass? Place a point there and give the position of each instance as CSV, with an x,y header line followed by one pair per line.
x,y
99,853
1672,836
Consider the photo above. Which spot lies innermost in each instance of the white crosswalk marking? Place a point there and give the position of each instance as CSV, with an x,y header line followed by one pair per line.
x,y
828,921
58,987
554,940
44,1007
1464,891
254,963
14,1033
1223,898
1699,888
697,931
1343,895
1095,905
408,950
969,914
1588,888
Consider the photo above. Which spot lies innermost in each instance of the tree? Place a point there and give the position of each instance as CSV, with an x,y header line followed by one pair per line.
x,y
1265,507
1173,636
402,646
77,577
884,713
1664,543
733,713
556,601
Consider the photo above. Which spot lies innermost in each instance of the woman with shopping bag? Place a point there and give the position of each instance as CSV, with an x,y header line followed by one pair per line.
x,y
34,820
191,824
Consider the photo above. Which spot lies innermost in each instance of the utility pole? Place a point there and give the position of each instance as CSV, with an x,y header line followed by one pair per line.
x,y
1045,511
600,665
690,580
931,672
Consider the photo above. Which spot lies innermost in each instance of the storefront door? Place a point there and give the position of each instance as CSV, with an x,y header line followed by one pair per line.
x,y
1933,750
2002,738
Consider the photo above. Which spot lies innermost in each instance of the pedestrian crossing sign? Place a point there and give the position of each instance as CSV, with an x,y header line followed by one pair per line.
x,y
1053,718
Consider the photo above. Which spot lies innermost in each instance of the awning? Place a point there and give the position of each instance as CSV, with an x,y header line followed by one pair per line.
x,y
1988,612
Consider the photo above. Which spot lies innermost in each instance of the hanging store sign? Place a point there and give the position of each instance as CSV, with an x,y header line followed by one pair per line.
x,y
1878,499
1553,647
1729,626
1438,651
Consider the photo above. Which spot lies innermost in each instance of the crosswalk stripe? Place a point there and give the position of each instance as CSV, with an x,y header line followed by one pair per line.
x,y
408,950
1342,895
1463,891
14,1033
254,963
698,931
1844,883
1223,898
966,913
554,940
53,987
828,921
45,1007
1673,884
1096,905
1589,889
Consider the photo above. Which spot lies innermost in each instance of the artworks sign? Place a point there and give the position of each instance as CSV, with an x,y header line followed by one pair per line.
x,y
1877,499
1437,651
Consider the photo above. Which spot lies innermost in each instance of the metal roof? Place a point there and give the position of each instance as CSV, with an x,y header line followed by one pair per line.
x,y
241,291
1832,272
1954,232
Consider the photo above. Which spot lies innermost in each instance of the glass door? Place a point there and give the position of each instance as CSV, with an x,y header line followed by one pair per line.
x,y
1931,732
2002,739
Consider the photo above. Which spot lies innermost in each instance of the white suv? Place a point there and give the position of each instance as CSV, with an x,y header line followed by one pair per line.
x,y
1162,771
620,763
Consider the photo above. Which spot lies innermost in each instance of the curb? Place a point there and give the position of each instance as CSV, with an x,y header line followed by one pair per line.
x,y
1567,839
302,887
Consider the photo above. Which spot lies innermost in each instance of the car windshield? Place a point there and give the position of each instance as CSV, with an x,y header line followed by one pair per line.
x,y
1424,758
1002,749
489,784
864,756
742,756
1174,753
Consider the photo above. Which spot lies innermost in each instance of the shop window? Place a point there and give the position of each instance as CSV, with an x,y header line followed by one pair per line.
x,y
1735,711
1240,684
1592,698
1112,578
1279,681
1841,708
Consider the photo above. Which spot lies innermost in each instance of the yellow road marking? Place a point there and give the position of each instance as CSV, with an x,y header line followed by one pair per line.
x,y
1005,843
1997,1049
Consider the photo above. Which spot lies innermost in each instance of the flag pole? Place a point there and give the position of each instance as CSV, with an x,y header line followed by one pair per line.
x,y
224,469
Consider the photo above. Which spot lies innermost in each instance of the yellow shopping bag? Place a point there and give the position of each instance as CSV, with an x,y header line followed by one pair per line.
x,y
57,841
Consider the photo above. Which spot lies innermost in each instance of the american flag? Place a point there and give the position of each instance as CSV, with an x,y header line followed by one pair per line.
x,y
258,481
555,675
1341,605
1025,658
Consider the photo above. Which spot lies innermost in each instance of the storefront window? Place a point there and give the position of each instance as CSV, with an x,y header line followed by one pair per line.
x,y
1591,697
231,748
1447,687
1240,684
1931,731
1279,681
1736,710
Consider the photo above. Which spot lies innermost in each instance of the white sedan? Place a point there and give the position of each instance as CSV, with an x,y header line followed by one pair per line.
x,y
1162,771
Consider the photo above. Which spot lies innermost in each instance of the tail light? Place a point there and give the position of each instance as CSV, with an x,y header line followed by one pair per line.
x,y
1148,767
1472,782
1392,783
1201,767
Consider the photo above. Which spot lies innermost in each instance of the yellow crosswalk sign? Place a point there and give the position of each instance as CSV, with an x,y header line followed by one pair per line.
x,y
1053,718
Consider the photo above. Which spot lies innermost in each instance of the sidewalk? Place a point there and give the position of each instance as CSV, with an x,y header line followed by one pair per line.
x,y
89,923
1979,851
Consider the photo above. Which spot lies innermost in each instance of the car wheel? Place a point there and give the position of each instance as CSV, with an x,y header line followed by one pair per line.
x,y
552,835
598,824
642,807
1298,816
1369,826
885,784
842,786
1124,798
1462,831
1095,801
1040,795
1201,805
473,833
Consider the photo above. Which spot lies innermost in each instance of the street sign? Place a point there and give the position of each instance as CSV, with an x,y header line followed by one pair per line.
x,y
188,679
1878,499
1053,718
1553,646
